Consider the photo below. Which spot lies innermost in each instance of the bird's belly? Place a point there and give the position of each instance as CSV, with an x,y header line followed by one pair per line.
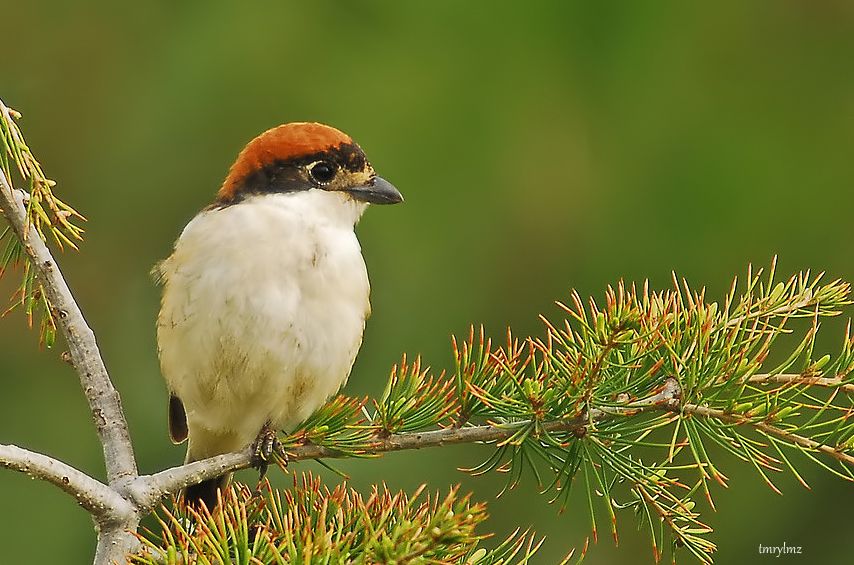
x,y
243,344
273,364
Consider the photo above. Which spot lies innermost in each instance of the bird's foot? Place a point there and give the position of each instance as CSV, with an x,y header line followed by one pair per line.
x,y
266,444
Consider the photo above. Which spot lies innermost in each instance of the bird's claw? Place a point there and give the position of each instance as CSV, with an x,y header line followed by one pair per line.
x,y
265,445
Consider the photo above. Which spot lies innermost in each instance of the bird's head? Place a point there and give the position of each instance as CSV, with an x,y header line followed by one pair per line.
x,y
303,156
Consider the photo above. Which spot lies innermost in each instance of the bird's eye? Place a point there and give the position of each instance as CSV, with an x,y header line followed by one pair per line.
x,y
323,171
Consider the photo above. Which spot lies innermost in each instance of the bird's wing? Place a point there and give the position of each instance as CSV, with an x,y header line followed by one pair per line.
x,y
177,420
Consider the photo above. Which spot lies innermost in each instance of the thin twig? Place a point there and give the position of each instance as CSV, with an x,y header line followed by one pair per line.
x,y
767,428
798,379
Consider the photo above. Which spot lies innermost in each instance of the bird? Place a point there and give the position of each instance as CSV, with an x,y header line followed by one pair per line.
x,y
266,293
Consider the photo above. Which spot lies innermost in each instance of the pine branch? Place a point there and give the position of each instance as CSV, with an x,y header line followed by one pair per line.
x,y
174,479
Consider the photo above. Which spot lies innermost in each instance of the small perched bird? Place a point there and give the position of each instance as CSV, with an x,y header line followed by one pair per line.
x,y
265,295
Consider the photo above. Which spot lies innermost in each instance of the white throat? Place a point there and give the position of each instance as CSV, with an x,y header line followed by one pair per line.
x,y
313,205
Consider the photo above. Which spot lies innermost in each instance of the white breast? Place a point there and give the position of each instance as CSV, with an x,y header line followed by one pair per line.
x,y
263,311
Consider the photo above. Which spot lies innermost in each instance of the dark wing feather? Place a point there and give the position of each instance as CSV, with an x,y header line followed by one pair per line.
x,y
206,491
177,420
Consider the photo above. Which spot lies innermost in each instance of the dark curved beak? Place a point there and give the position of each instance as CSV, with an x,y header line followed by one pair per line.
x,y
377,191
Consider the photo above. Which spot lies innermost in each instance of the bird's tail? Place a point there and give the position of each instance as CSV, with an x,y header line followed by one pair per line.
x,y
205,444
205,492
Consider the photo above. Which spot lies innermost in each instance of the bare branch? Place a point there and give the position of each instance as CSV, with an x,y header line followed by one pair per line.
x,y
104,401
104,503
147,490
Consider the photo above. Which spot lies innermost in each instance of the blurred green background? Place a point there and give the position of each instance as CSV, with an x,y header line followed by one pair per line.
x,y
540,146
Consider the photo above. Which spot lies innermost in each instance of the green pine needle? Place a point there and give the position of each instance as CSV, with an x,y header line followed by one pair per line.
x,y
46,214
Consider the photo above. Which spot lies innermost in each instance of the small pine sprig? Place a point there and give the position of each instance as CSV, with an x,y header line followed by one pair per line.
x,y
46,213
312,524
412,399
339,425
